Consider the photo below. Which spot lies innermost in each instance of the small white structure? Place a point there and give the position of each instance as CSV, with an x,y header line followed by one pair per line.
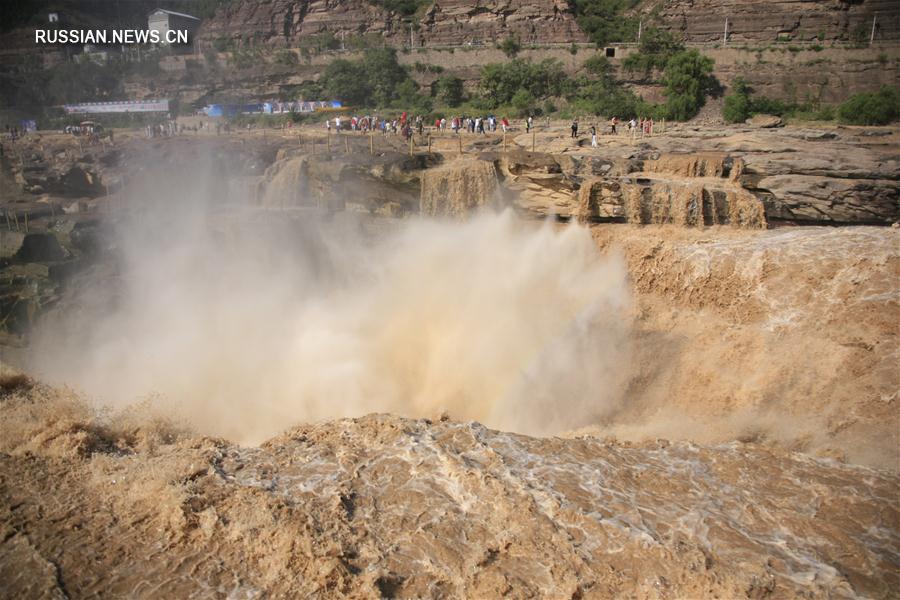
x,y
163,21
53,17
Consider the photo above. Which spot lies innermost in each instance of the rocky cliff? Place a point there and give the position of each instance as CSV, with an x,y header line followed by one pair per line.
x,y
771,20
464,22
451,22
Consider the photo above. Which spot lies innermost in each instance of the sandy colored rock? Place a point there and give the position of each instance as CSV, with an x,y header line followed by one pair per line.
x,y
387,507
459,188
765,121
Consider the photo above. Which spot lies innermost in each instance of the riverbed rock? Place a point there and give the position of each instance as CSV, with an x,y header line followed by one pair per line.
x,y
765,121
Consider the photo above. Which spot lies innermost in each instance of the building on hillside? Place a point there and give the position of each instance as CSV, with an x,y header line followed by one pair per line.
x,y
163,21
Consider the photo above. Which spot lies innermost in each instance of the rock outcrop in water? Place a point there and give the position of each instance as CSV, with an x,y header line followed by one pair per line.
x,y
383,507
386,183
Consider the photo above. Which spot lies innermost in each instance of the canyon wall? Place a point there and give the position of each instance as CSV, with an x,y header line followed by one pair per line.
x,y
451,22
769,20
463,22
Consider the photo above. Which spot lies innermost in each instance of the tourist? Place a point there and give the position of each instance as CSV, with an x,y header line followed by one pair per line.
x,y
574,128
612,125
593,136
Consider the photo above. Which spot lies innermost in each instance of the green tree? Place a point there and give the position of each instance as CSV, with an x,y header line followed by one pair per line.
x,y
737,107
654,51
449,90
346,81
500,82
604,21
377,79
688,79
523,101
384,74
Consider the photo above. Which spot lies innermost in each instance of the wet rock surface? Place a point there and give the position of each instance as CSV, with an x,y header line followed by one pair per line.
x,y
388,507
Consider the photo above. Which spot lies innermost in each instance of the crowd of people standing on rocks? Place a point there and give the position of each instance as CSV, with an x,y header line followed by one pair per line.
x,y
406,125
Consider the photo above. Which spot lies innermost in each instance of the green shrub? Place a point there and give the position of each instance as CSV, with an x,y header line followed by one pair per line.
x,y
449,90
771,106
737,107
406,8
524,102
375,80
500,82
285,57
655,50
687,79
510,46
604,21
879,108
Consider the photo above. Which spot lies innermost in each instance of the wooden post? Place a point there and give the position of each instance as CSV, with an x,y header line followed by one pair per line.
x,y
347,144
459,141
410,145
8,224
26,221
16,217
429,144
372,142
328,142
504,140
533,136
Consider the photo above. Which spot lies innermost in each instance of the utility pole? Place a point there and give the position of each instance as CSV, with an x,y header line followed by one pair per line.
x,y
725,38
872,37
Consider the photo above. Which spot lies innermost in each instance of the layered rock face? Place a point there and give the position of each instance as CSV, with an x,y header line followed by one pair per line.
x,y
463,22
691,190
452,22
768,20
286,22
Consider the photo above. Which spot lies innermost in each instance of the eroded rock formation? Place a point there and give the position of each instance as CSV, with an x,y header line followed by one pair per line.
x,y
450,22
383,506
768,21
459,188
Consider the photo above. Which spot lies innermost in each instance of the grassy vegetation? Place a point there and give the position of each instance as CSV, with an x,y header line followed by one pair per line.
x,y
741,104
654,51
879,108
